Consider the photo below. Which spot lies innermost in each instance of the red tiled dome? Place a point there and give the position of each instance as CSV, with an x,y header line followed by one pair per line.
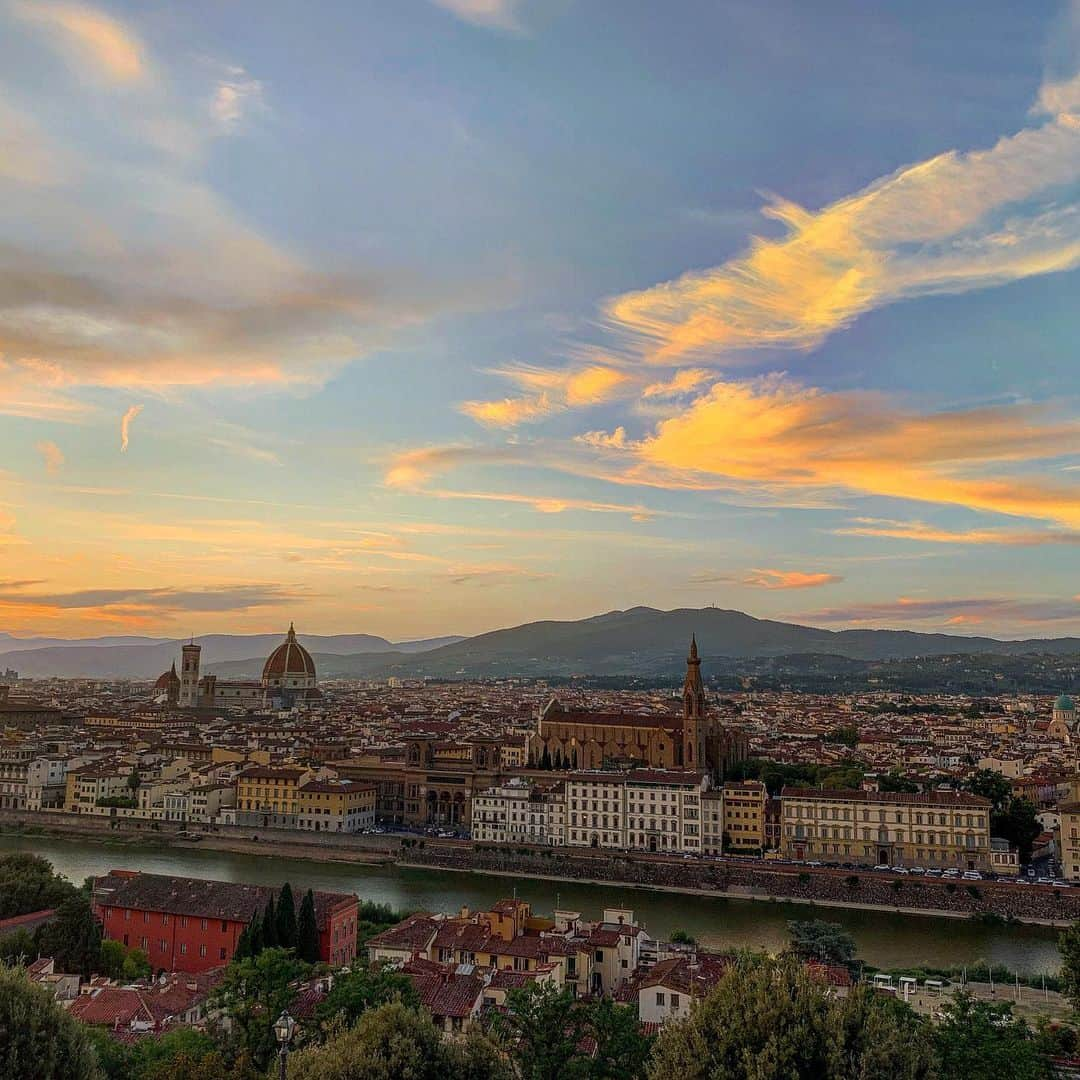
x,y
170,678
289,658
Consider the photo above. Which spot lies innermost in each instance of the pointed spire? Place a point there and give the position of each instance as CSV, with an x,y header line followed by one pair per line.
x,y
693,647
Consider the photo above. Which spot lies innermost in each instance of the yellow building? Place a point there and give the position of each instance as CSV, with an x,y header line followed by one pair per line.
x,y
85,786
1069,840
744,815
934,829
335,806
267,796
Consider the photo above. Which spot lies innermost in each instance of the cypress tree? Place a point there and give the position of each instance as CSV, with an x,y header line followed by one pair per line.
x,y
269,925
307,930
243,944
286,918
255,936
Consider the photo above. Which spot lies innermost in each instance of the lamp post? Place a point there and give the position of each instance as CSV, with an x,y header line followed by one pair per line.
x,y
284,1028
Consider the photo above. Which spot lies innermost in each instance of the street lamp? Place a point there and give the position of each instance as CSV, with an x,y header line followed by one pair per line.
x,y
284,1028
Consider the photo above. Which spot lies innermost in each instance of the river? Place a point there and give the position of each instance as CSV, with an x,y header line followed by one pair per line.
x,y
884,939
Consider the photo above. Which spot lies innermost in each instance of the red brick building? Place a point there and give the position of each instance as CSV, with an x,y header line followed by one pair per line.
x,y
191,924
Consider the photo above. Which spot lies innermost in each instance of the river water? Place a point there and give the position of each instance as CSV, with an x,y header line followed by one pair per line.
x,y
884,939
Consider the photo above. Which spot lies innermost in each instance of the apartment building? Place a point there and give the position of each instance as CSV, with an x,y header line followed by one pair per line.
x,y
341,806
744,814
14,766
1069,840
86,786
267,796
646,809
520,812
934,829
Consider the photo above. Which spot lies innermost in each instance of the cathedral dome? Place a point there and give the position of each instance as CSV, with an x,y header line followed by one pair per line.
x,y
1064,704
168,680
290,658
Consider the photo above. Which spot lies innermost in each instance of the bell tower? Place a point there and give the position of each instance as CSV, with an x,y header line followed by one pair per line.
x,y
189,675
694,723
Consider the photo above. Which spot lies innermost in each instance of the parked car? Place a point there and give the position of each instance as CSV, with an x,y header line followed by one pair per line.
x,y
972,875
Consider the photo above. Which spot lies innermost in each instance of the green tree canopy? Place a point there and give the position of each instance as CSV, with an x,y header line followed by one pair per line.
x,y
38,1039
394,1042
1069,944
545,1026
285,918
253,993
73,938
991,785
981,1040
362,989
827,942
307,930
28,883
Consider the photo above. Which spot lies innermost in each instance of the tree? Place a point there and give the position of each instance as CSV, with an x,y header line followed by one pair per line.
x,y
362,989
544,1026
846,734
772,1020
681,937
28,883
993,786
269,925
393,1043
982,1040
18,948
621,1049
1019,825
883,1039
37,1038
285,918
253,993
121,963
826,942
307,930
73,938
133,781
1069,944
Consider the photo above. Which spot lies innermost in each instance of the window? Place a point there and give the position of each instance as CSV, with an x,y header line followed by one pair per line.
x,y
183,948
674,1001
221,954
659,998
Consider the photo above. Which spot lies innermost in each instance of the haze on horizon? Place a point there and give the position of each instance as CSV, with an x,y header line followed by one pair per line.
x,y
444,315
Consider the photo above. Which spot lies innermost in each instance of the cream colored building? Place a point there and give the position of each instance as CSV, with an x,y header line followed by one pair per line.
x,y
932,830
343,806
1069,840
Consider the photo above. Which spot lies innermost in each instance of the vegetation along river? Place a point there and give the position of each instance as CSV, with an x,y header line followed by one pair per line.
x,y
883,938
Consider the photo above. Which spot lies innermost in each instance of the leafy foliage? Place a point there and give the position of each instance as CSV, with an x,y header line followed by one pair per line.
x,y
37,1038
362,989
73,938
982,1040
827,942
123,964
28,883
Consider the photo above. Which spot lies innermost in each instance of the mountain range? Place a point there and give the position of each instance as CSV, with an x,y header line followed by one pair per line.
x,y
640,641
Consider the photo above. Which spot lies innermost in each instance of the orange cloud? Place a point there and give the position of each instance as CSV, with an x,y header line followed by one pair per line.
x,y
555,390
125,426
921,531
775,435
51,455
788,579
682,382
109,47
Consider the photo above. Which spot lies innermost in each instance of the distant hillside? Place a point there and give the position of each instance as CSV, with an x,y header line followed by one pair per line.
x,y
644,641
641,641
150,657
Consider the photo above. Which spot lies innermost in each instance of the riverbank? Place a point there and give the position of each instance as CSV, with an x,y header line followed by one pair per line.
x,y
719,921
861,890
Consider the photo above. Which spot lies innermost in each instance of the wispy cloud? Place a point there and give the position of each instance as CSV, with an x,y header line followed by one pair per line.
x,y
764,578
51,455
494,14
125,426
931,534
952,611
234,96
92,40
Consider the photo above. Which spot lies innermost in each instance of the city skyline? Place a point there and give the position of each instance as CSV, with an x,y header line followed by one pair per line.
x,y
446,315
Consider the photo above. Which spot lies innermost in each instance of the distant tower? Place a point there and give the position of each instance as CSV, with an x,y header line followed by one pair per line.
x,y
694,723
189,675
1065,711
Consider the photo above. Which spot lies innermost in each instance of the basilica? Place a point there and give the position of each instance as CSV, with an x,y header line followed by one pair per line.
x,y
696,739
288,679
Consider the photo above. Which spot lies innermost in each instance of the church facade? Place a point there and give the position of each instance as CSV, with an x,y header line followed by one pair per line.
x,y
696,739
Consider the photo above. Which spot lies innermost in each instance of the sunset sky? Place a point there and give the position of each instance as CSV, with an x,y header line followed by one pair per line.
x,y
414,317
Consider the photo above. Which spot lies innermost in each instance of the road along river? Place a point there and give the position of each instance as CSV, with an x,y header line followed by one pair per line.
x,y
884,938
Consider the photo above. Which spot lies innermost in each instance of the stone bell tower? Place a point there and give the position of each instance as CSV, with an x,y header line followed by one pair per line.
x,y
695,725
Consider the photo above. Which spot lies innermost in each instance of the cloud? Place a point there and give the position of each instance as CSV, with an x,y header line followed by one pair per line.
x,y
682,382
233,97
16,595
921,531
125,425
91,38
776,435
579,387
952,611
51,455
494,14
956,222
768,579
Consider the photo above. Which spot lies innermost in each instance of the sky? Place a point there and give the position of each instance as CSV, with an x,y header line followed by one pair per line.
x,y
436,316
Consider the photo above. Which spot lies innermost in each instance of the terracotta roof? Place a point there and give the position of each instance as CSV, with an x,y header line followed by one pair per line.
x,y
929,798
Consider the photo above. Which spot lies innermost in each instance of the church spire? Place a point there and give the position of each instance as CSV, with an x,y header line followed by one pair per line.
x,y
693,688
